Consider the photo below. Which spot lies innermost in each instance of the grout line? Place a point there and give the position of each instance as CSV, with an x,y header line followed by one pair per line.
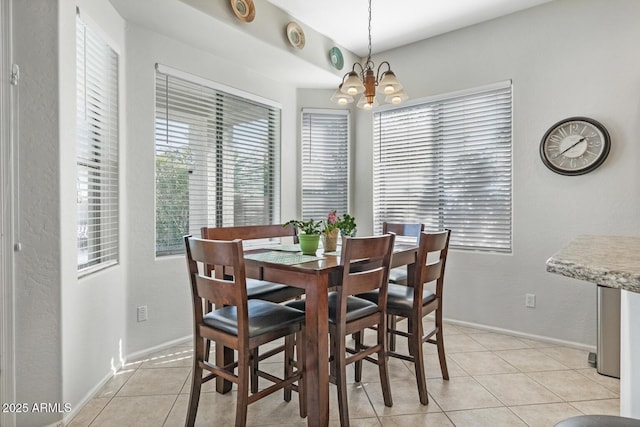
x,y
138,365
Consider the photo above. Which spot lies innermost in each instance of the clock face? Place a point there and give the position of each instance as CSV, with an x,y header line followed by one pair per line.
x,y
575,146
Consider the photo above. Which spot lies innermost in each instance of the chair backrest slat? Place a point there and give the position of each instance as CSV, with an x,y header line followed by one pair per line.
x,y
361,282
249,232
432,272
216,291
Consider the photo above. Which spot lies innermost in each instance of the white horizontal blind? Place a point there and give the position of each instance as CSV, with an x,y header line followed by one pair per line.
x,y
97,150
325,163
217,161
447,164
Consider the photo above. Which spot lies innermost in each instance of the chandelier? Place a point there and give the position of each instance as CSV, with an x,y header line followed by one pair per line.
x,y
367,82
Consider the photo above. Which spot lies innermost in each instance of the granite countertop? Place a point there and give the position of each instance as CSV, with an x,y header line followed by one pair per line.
x,y
612,261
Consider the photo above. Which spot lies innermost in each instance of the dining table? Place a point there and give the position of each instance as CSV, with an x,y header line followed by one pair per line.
x,y
316,274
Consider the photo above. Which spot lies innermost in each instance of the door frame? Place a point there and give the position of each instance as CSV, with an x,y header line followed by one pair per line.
x,y
7,220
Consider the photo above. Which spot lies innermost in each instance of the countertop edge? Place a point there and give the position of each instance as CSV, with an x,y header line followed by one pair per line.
x,y
608,278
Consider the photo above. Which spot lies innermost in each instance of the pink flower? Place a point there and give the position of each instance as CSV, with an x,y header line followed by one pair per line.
x,y
332,218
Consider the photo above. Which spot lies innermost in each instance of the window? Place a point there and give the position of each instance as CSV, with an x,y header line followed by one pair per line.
x,y
447,163
325,157
97,150
217,158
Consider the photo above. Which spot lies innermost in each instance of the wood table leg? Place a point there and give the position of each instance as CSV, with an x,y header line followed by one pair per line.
x,y
224,356
317,358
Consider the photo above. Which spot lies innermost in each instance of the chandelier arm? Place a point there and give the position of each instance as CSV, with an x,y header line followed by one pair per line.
x,y
378,75
354,68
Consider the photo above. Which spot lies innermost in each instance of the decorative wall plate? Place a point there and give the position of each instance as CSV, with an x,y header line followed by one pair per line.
x,y
243,9
295,35
335,56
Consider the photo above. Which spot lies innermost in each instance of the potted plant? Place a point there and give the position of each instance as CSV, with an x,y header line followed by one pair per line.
x,y
330,232
347,225
309,236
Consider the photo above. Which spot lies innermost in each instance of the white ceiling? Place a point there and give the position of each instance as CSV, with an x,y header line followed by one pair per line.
x,y
394,22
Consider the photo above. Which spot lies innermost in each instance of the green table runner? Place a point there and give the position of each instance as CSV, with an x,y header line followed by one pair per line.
x,y
281,257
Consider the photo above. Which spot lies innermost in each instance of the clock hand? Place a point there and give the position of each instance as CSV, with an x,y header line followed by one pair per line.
x,y
570,147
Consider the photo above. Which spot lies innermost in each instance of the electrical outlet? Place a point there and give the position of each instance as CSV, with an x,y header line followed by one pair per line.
x,y
142,313
530,300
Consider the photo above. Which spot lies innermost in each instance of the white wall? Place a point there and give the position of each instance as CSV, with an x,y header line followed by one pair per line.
x,y
565,58
37,321
162,283
92,309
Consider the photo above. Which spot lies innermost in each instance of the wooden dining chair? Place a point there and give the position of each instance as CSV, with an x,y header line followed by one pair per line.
x,y
365,267
241,324
256,288
414,303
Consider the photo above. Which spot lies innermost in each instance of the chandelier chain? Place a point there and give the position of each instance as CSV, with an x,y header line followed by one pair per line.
x,y
369,56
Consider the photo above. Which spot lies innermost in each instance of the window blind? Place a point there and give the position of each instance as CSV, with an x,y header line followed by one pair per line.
x,y
217,160
97,150
325,163
447,164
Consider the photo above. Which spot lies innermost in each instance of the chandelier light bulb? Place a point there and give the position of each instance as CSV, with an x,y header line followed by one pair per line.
x,y
397,97
341,98
388,89
352,91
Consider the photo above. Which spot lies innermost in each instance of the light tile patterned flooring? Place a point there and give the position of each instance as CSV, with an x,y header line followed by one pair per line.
x,y
495,380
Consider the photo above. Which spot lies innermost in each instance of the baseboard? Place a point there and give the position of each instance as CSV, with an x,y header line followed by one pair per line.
x,y
159,347
81,404
518,334
138,354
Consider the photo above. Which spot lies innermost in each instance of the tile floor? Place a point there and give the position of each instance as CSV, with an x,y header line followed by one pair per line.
x,y
495,380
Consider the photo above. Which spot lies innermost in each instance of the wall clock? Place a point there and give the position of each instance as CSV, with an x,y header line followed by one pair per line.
x,y
575,146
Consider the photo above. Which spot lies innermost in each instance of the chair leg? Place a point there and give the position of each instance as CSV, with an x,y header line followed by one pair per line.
x,y
288,364
302,387
223,356
207,350
440,345
244,371
415,348
391,322
253,362
358,365
332,355
208,307
383,365
196,381
341,380
410,327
